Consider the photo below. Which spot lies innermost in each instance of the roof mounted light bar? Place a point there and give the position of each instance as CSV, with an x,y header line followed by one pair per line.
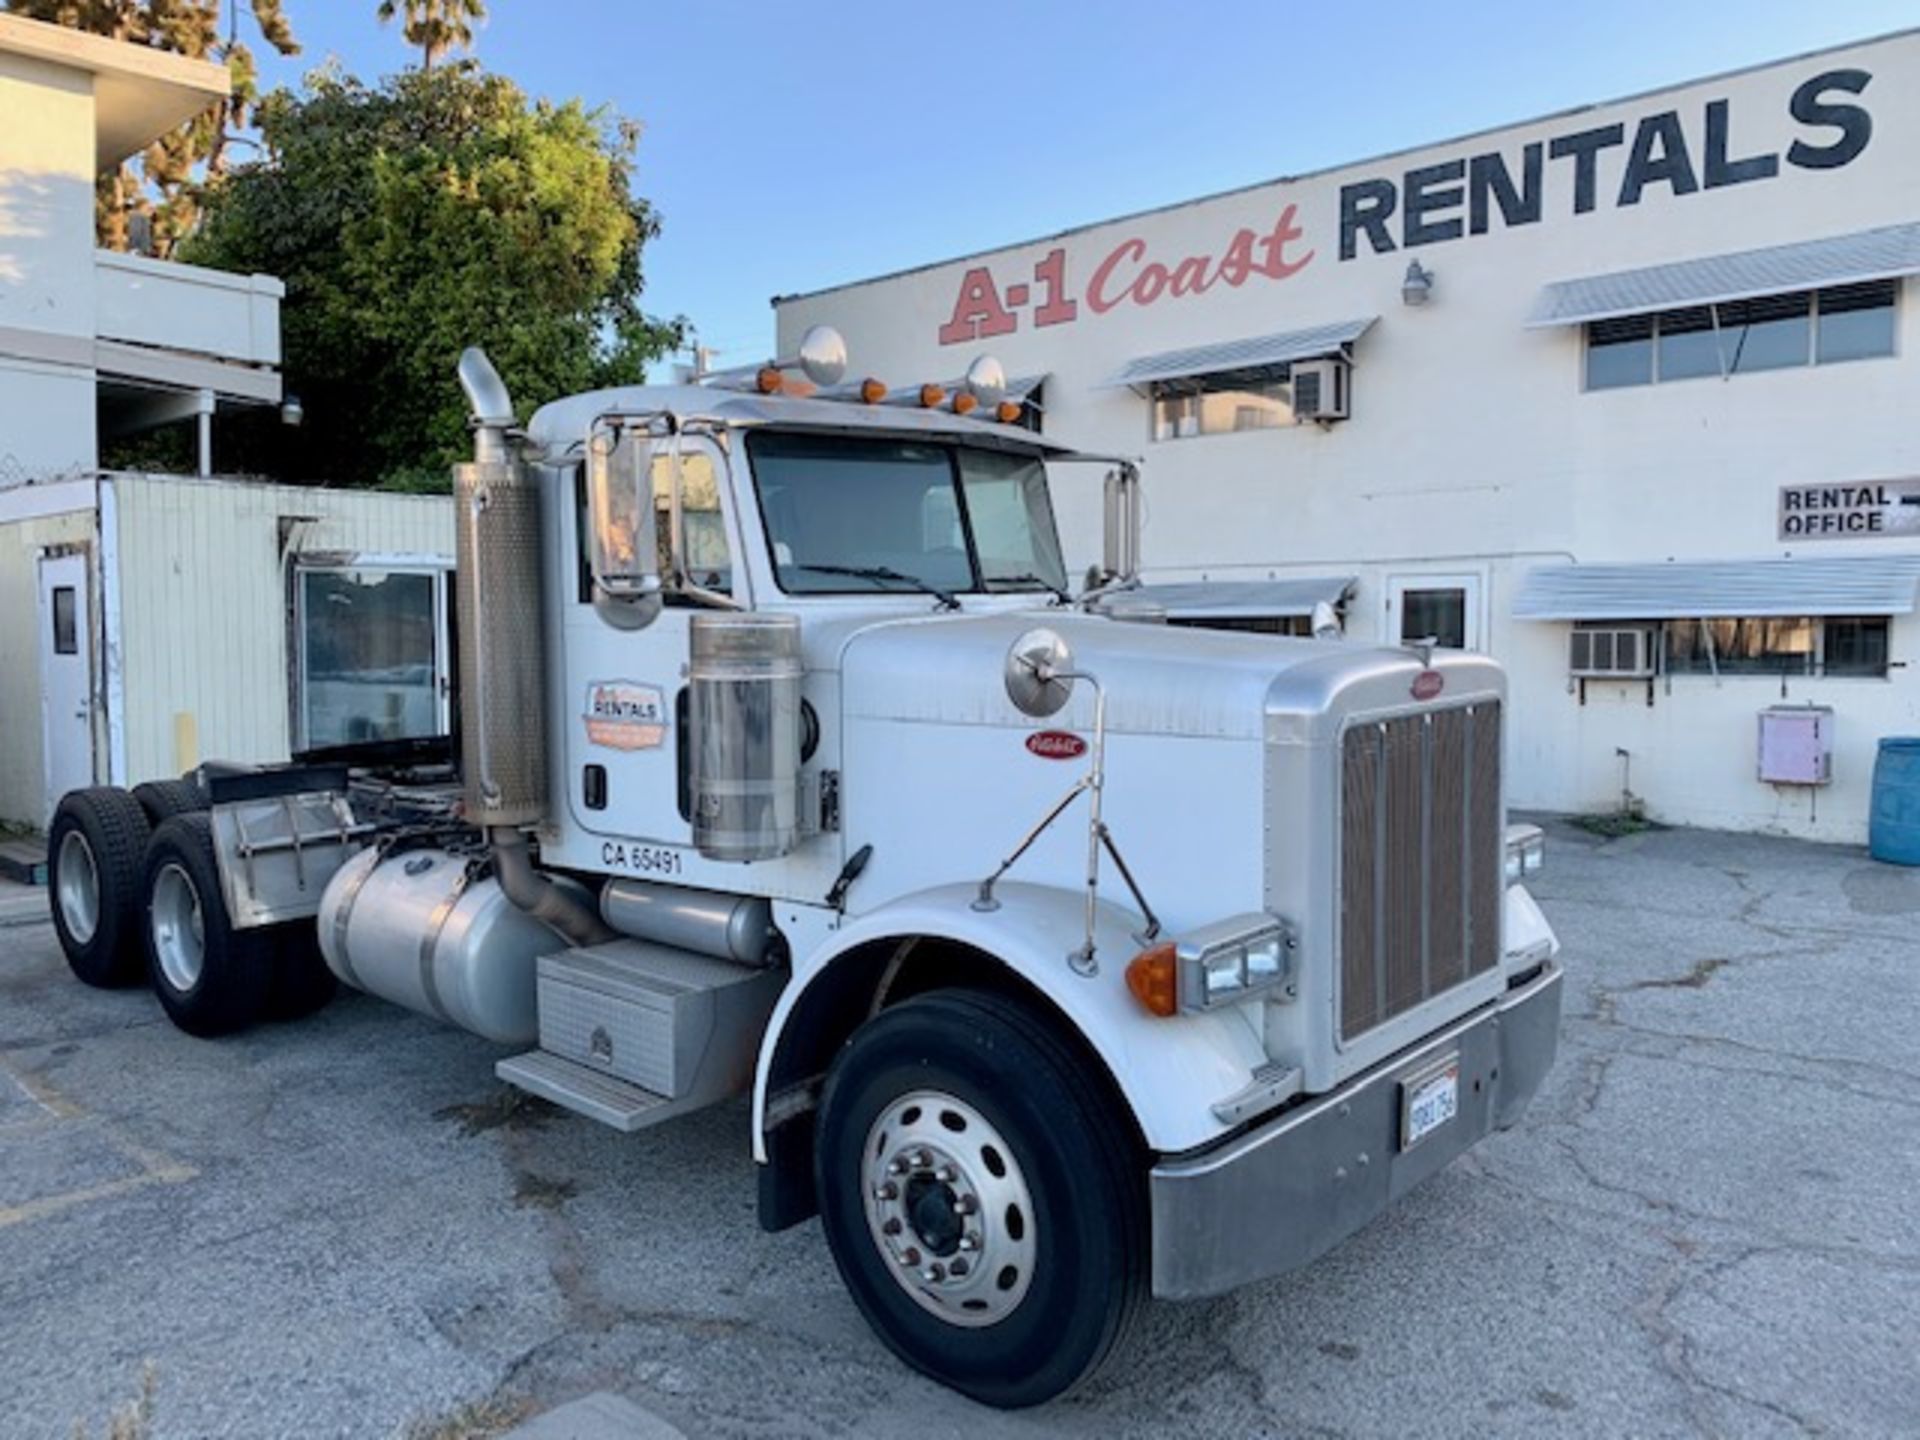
x,y
821,362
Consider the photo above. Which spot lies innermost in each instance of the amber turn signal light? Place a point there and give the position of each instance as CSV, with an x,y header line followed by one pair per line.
x,y
872,391
964,404
768,381
1153,977
1008,412
931,396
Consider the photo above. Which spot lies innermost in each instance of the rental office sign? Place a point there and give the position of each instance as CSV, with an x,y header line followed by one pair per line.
x,y
1615,166
1863,511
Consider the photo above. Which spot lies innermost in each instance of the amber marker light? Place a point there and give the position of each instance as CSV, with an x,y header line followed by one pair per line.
x,y
1008,412
768,381
964,404
1153,977
931,396
873,391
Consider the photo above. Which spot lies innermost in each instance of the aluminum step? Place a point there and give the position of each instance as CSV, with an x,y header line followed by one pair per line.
x,y
592,1093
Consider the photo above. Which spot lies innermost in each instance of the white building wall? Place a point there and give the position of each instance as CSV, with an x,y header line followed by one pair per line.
x,y
47,422
1473,445
204,597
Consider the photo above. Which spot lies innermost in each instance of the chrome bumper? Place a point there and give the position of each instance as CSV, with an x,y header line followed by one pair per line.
x,y
1285,1193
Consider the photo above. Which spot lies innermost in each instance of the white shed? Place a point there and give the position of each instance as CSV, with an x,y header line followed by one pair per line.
x,y
149,622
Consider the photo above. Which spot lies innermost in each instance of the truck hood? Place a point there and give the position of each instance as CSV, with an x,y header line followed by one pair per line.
x,y
1159,679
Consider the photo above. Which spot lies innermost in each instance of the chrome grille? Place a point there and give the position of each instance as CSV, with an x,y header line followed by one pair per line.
x,y
1420,859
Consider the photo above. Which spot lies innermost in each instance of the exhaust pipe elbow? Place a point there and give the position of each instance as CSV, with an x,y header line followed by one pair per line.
x,y
488,401
540,897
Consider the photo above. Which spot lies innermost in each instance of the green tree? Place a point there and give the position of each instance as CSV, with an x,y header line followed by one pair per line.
x,y
436,26
167,184
438,210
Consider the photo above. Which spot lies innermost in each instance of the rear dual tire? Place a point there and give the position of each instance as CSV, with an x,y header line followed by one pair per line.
x,y
94,851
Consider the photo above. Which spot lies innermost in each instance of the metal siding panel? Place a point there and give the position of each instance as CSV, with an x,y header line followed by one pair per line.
x,y
1689,590
1248,354
1885,253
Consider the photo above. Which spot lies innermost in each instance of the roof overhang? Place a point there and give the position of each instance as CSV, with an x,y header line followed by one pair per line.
x,y
1887,253
1717,589
139,93
1238,599
1260,352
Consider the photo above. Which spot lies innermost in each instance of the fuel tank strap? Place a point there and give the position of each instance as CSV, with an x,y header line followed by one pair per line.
x,y
430,942
343,915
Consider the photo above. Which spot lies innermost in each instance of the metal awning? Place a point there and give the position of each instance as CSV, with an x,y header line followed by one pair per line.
x,y
1258,353
1238,599
1709,589
1887,253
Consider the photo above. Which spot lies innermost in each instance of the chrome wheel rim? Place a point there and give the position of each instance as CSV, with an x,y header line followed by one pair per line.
x,y
179,933
78,887
948,1208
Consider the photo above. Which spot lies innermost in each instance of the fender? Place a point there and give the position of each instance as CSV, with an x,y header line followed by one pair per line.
x,y
1171,1070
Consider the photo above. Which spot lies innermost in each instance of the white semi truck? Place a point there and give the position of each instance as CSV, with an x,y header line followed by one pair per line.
x,y
1068,956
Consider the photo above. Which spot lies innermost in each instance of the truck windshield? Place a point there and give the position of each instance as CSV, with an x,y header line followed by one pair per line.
x,y
954,519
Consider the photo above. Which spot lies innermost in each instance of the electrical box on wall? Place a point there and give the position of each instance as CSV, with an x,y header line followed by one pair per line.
x,y
1796,745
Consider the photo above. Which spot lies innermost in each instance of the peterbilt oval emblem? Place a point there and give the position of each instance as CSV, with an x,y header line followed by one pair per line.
x,y
1056,745
1428,684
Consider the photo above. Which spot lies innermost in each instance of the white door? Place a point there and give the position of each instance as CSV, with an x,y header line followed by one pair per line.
x,y
66,676
1444,608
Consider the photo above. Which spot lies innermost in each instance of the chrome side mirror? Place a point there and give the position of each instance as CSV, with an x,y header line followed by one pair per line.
x,y
623,550
1038,673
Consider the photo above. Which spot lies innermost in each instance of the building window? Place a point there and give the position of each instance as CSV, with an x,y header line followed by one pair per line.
x,y
1222,404
66,625
1436,615
1777,645
1739,337
370,655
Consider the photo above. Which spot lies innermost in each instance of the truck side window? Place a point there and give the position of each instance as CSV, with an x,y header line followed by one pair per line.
x,y
708,562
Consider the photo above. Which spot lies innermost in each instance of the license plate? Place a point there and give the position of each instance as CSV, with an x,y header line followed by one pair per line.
x,y
1429,1101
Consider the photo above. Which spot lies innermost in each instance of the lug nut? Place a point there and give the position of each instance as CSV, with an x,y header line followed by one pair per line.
x,y
921,1160
896,1166
886,1190
892,1227
934,1273
970,1240
910,1257
946,1174
960,1268
965,1205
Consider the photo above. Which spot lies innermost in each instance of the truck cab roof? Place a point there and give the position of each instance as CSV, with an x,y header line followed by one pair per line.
x,y
563,424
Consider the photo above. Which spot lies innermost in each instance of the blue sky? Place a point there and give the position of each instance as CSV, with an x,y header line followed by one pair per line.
x,y
792,146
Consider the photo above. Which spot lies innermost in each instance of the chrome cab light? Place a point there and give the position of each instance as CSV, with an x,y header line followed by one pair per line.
x,y
1233,960
1526,852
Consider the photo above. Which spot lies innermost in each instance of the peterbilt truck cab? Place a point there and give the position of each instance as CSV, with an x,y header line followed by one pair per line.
x,y
1067,957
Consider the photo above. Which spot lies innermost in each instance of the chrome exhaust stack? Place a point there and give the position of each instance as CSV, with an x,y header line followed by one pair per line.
x,y
503,704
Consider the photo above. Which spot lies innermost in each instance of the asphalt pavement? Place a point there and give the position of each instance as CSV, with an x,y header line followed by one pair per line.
x,y
1706,1225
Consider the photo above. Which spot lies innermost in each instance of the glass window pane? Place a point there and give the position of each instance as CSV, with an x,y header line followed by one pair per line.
x,y
1437,615
1012,517
847,502
1758,645
1857,646
1856,322
708,564
1689,345
66,626
1771,333
367,651
1263,407
1620,352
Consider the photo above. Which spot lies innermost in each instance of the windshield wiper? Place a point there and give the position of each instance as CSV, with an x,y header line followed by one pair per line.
x,y
880,573
1060,596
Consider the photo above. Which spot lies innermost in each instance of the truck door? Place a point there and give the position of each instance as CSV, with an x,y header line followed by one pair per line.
x,y
626,689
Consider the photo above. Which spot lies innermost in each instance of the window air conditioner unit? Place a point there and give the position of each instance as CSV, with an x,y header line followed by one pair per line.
x,y
1620,653
1319,389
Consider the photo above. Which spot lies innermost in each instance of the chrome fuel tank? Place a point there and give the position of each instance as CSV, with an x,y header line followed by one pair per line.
x,y
428,930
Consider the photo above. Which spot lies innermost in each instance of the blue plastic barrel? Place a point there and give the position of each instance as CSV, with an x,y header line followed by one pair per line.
x,y
1893,831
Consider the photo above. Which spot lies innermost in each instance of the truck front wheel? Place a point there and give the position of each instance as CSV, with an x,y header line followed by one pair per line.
x,y
984,1203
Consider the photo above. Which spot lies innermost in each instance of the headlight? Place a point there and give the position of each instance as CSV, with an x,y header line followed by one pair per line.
x,y
1526,851
1247,957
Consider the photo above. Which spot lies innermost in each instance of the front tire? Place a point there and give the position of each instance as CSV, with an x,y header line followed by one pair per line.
x,y
983,1201
94,851
211,978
